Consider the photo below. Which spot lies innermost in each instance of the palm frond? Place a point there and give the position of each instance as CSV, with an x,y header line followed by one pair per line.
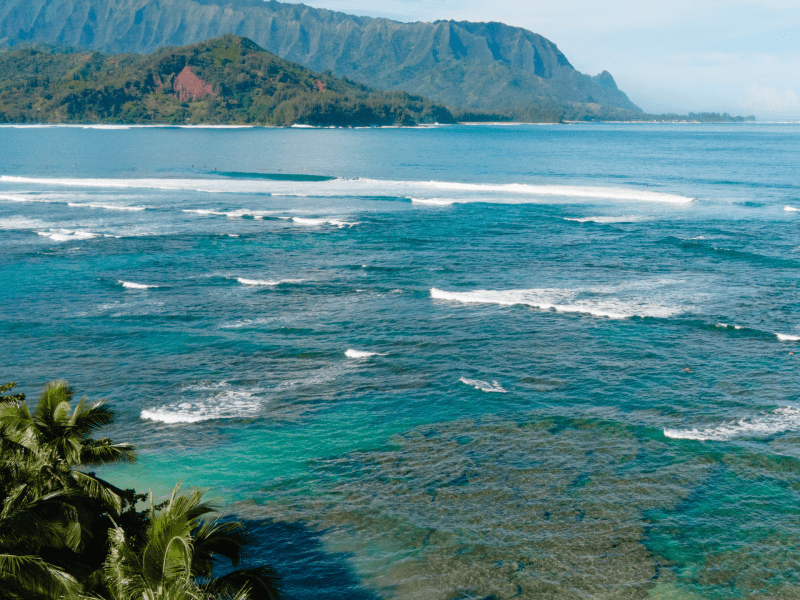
x,y
85,419
102,452
36,576
214,538
261,583
95,488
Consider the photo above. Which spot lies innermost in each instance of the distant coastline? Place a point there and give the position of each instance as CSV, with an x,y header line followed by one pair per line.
x,y
231,81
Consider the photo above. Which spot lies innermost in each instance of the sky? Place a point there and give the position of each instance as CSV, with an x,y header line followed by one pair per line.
x,y
682,56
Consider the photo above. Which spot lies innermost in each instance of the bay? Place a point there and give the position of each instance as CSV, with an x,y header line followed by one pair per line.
x,y
450,362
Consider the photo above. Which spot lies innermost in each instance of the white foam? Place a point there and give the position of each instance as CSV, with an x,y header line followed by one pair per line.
x,y
244,281
135,286
569,191
621,219
564,301
67,235
434,201
778,421
493,387
233,214
726,326
323,221
302,126
350,353
227,404
101,126
13,223
791,209
248,323
458,192
106,206
784,337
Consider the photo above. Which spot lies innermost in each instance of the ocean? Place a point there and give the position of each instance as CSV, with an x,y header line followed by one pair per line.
x,y
518,361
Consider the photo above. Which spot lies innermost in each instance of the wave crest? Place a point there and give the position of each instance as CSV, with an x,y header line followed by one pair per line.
x,y
563,301
484,386
782,419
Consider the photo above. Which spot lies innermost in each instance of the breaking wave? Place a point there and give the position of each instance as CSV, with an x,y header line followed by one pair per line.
x,y
317,222
784,337
484,386
606,220
273,282
67,235
459,192
564,301
434,201
788,208
231,214
135,286
107,206
225,404
778,421
350,353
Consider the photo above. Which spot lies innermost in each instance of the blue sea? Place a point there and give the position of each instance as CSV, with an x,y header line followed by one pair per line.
x,y
456,362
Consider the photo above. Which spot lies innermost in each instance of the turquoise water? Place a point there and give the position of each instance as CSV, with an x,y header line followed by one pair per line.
x,y
449,362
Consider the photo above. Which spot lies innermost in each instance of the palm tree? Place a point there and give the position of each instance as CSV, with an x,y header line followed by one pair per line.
x,y
28,523
49,508
176,557
58,441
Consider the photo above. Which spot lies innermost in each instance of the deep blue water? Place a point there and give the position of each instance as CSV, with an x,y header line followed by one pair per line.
x,y
520,361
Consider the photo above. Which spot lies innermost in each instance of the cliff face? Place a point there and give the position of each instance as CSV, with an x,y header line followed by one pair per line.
x,y
472,65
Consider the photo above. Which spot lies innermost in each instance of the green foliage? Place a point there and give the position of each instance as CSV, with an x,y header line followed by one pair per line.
x,y
65,533
176,557
10,398
250,86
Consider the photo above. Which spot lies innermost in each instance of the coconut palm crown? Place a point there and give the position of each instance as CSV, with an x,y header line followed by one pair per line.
x,y
57,441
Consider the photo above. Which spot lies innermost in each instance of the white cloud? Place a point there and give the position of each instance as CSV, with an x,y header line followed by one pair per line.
x,y
771,102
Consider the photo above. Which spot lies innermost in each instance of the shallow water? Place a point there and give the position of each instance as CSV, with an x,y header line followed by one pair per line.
x,y
452,362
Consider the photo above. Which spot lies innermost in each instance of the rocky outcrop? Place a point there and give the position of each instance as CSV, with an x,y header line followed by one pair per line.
x,y
189,86
471,65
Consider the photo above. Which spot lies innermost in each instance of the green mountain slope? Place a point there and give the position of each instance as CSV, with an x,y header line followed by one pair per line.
x,y
225,80
485,66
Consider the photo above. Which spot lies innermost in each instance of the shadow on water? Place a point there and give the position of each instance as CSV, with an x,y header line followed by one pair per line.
x,y
308,571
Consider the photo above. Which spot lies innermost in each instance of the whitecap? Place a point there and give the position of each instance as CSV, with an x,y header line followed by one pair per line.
x,y
227,404
788,208
784,337
233,214
568,191
135,286
484,386
434,201
350,353
782,419
67,235
606,220
106,206
244,281
726,326
563,301
323,221
462,192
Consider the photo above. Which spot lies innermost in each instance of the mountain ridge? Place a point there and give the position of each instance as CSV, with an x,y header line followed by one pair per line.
x,y
483,66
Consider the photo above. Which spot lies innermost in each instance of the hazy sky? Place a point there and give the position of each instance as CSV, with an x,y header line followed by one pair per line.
x,y
679,56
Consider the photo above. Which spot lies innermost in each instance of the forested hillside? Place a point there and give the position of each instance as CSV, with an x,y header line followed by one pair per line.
x,y
221,81
477,66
